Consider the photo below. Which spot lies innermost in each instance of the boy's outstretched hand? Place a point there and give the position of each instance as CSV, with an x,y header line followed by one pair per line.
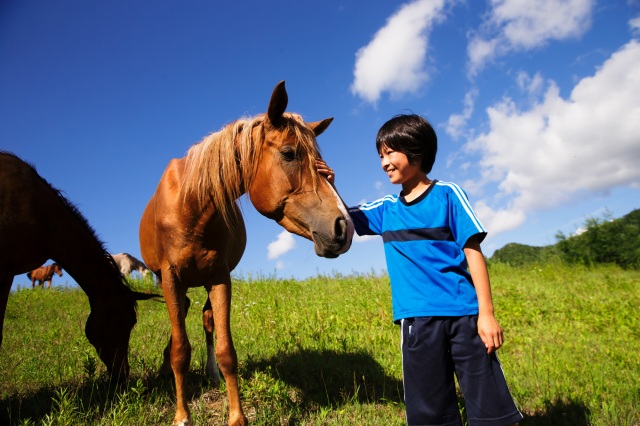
x,y
325,170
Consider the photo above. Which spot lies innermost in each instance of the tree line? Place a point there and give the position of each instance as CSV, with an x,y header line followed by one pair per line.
x,y
601,240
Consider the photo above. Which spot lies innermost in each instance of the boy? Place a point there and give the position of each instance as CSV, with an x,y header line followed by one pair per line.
x,y
440,287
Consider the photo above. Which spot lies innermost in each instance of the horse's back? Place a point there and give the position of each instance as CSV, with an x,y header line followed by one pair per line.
x,y
28,205
161,216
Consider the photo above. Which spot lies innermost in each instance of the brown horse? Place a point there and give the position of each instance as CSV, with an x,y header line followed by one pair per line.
x,y
192,233
44,274
31,209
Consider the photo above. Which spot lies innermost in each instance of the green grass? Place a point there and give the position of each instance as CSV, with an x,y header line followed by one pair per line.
x,y
324,351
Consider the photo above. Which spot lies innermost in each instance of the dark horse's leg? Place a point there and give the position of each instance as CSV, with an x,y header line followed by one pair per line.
x,y
208,325
6,280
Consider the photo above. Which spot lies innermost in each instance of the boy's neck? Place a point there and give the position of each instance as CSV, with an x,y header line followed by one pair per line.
x,y
413,188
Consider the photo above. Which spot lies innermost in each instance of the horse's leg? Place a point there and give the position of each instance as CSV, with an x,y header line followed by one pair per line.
x,y
180,352
220,297
165,368
6,280
208,325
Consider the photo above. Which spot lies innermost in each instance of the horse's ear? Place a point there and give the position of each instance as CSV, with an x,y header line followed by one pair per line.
x,y
320,126
277,104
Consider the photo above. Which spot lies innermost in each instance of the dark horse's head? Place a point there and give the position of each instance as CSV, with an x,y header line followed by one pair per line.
x,y
109,326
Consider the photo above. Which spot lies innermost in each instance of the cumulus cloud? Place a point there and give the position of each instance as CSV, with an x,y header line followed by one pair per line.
x,y
634,25
514,25
560,148
394,61
364,238
457,123
281,245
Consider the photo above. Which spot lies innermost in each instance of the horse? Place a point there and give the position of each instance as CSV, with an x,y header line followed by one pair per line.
x,y
128,264
192,233
44,275
32,209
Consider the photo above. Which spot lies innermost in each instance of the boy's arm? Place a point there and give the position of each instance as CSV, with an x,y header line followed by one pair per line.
x,y
488,328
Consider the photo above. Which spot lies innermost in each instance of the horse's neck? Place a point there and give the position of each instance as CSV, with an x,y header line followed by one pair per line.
x,y
78,252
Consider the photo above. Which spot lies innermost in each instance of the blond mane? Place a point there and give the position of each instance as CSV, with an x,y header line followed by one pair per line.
x,y
220,168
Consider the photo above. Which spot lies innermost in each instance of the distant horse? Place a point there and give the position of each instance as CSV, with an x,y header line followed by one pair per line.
x,y
33,210
44,274
192,233
128,264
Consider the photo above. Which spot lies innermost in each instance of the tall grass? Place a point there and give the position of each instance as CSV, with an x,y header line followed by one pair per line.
x,y
324,351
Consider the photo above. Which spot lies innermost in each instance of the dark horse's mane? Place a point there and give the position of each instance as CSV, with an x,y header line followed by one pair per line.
x,y
75,212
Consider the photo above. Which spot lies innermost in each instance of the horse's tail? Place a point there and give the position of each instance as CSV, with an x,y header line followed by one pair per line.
x,y
29,275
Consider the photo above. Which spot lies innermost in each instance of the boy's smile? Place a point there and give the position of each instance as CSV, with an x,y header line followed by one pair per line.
x,y
401,171
397,166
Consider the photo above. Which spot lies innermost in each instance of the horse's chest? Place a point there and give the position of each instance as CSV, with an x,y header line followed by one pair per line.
x,y
223,250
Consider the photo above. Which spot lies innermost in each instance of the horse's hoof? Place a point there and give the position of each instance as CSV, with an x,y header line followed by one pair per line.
x,y
214,377
239,420
186,422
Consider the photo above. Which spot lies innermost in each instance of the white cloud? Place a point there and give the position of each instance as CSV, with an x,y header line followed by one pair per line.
x,y
562,148
457,123
364,238
634,24
281,245
500,220
532,85
394,61
514,25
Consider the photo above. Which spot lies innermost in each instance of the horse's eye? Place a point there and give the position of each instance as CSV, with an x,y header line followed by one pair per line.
x,y
288,154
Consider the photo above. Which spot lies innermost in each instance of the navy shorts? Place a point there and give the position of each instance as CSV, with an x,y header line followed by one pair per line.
x,y
436,348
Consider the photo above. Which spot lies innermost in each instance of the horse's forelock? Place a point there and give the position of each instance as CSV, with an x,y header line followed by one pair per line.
x,y
306,142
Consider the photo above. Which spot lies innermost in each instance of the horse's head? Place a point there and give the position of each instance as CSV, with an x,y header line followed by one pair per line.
x,y
109,326
108,329
285,185
57,269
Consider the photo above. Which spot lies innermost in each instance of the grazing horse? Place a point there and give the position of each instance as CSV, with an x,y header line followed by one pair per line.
x,y
44,274
128,264
192,233
32,209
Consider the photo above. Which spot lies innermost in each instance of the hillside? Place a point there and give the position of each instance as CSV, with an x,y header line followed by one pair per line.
x,y
605,240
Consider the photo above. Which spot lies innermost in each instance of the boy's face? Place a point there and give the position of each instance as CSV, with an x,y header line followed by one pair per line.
x,y
397,166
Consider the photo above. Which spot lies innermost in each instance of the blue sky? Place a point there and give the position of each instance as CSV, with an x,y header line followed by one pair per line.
x,y
536,104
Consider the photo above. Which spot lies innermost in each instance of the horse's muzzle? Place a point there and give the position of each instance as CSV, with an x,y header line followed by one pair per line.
x,y
332,246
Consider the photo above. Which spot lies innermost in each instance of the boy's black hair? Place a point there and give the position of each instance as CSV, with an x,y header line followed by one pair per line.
x,y
412,135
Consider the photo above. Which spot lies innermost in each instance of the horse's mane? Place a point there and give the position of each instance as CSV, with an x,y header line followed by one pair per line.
x,y
84,223
220,168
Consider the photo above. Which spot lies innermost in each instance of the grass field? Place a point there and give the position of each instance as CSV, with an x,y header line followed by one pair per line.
x,y
324,351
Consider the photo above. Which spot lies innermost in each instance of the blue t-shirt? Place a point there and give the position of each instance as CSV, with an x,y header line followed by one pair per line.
x,y
423,243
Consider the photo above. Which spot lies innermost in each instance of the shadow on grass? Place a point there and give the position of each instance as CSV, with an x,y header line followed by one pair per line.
x,y
93,398
560,413
329,378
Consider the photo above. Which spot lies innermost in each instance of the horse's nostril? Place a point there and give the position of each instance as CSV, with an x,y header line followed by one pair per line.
x,y
340,227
